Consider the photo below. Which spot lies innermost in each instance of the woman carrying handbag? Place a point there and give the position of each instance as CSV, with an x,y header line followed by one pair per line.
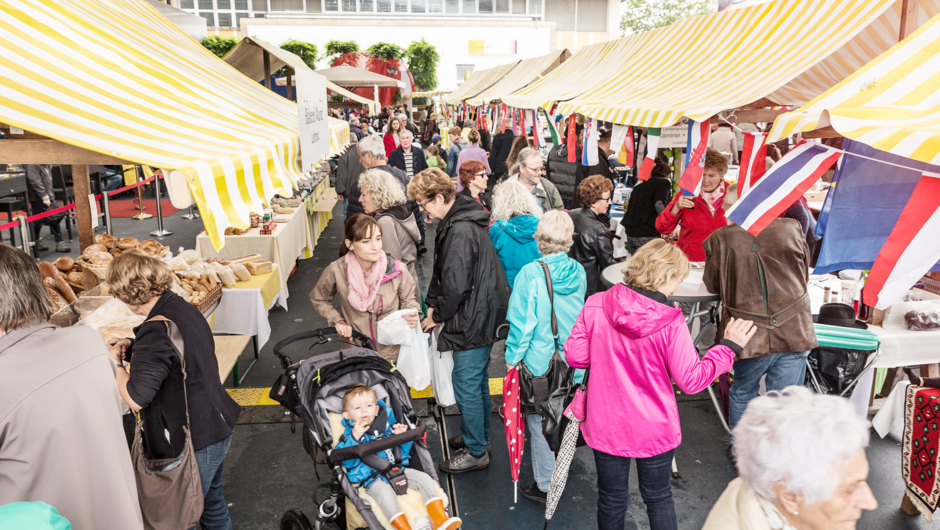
x,y
545,302
178,451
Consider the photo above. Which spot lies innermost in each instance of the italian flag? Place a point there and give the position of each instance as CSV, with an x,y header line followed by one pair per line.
x,y
652,147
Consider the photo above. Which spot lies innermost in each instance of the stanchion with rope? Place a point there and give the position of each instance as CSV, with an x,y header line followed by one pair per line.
x,y
140,199
24,234
192,213
159,232
106,203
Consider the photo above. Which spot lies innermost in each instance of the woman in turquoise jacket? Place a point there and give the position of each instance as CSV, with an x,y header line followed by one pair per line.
x,y
530,325
515,221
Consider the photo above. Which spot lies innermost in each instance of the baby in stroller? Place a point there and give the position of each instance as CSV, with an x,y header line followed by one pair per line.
x,y
367,419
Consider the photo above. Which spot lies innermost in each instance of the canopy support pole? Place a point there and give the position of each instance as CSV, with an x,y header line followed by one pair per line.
x,y
910,9
290,83
267,69
81,182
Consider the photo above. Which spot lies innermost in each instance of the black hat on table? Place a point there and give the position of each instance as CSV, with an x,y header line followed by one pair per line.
x,y
842,315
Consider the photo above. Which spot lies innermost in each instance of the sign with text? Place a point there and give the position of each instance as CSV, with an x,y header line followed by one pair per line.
x,y
674,137
493,47
314,118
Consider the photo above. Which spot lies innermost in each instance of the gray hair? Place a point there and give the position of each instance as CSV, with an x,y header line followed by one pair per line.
x,y
524,155
372,144
384,189
25,297
406,131
354,121
555,232
511,198
800,438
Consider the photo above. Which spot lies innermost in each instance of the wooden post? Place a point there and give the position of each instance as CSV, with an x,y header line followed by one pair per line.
x,y
86,235
290,82
909,14
267,69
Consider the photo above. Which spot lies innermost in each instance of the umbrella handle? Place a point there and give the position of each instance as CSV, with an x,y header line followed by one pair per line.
x,y
515,494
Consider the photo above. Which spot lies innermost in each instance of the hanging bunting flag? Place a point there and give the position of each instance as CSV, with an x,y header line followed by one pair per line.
x,y
552,130
522,121
783,185
652,148
691,180
618,139
536,128
753,161
589,155
911,250
572,138
628,149
515,130
503,117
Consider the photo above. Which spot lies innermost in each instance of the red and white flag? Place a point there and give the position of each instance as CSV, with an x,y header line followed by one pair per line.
x,y
691,180
753,161
652,147
911,250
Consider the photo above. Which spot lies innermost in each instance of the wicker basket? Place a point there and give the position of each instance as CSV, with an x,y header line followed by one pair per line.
x,y
212,297
101,271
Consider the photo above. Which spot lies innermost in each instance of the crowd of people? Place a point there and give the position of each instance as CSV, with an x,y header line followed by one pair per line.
x,y
519,239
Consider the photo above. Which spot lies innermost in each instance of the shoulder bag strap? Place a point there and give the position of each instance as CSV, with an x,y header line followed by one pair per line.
x,y
551,298
177,339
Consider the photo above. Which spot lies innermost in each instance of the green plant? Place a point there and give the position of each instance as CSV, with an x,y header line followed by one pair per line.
x,y
219,45
386,51
335,48
422,63
306,51
640,16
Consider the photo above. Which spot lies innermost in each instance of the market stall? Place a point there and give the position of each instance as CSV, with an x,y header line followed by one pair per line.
x,y
520,76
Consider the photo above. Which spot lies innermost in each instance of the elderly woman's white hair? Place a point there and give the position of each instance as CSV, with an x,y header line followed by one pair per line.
x,y
511,198
555,233
799,438
385,190
372,144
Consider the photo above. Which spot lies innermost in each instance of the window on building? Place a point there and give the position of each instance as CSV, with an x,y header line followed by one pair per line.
x,y
239,17
259,15
462,71
418,6
502,6
535,7
241,4
259,5
331,5
452,6
287,5
224,4
469,7
187,4
349,6
435,6
205,4
401,6
210,19
383,6
366,6
485,7
225,20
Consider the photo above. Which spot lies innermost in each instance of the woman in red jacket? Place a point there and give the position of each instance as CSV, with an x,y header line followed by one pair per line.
x,y
700,215
391,139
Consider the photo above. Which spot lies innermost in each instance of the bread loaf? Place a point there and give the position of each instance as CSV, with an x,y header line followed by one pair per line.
x,y
48,270
100,258
228,277
57,301
91,249
77,278
151,246
115,252
245,259
127,242
107,240
63,287
241,272
64,263
259,267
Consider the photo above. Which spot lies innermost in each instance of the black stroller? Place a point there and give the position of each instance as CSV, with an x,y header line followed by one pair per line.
x,y
313,389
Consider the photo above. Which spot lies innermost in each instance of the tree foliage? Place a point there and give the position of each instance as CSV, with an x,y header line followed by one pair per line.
x,y
306,51
639,16
422,63
219,45
386,51
335,48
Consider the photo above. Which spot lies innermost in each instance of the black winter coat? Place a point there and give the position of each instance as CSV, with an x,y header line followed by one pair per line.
x,y
347,179
593,247
602,168
419,162
468,291
640,218
563,174
502,144
157,382
484,198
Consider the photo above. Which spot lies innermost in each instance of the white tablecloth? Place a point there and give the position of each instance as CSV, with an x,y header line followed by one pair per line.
x,y
242,312
892,411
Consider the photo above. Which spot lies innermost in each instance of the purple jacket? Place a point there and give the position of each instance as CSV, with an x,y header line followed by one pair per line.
x,y
637,347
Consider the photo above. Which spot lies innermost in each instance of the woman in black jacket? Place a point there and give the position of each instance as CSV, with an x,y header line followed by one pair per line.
x,y
593,243
648,200
468,296
154,387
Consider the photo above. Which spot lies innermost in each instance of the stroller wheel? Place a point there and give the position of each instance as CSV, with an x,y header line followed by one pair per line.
x,y
295,519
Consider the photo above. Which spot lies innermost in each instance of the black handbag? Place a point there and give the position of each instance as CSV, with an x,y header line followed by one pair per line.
x,y
554,421
535,390
55,218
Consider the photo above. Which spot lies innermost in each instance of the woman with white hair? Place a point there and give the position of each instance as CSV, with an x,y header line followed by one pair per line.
x,y
516,218
384,199
531,339
802,465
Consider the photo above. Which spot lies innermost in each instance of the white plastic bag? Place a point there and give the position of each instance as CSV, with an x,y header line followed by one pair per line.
x,y
442,368
413,361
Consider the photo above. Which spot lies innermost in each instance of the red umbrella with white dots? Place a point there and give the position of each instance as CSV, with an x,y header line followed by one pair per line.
x,y
515,435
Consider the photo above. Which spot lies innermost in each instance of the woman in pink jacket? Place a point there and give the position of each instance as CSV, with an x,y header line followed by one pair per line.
x,y
636,344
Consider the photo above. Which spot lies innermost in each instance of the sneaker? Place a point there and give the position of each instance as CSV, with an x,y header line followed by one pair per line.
x,y
532,492
456,443
41,247
464,462
61,246
422,249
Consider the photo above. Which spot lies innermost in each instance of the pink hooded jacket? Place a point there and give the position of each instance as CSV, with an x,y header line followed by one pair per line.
x,y
636,347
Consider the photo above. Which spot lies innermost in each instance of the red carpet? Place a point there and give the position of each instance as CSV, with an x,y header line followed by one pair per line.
x,y
126,208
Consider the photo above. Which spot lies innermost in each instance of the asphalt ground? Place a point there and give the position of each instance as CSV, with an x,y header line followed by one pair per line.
x,y
267,470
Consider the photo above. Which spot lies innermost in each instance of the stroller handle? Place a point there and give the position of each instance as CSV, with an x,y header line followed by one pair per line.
x,y
357,451
323,339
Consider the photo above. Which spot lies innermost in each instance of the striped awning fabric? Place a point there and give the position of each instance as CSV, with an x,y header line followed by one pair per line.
x,y
891,104
478,82
433,94
700,66
521,76
120,79
339,135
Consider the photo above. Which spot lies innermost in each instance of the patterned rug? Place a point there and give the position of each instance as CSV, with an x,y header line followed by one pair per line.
x,y
921,442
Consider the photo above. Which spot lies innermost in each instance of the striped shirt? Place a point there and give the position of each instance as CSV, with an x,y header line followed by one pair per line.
x,y
409,164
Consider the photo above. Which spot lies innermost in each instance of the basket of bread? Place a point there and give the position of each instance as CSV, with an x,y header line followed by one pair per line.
x,y
203,276
63,281
98,256
200,290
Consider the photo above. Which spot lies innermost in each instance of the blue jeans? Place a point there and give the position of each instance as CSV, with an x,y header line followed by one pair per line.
x,y
472,391
613,490
345,207
782,369
215,511
38,207
543,459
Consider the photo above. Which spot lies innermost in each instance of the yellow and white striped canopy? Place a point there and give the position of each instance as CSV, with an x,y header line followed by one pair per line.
x,y
478,82
527,71
122,80
787,51
891,104
432,94
339,135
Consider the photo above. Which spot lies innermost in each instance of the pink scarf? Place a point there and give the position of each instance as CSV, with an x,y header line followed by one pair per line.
x,y
714,198
362,288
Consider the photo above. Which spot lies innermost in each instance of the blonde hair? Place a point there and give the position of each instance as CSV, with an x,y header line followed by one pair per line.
x,y
555,233
473,136
511,198
430,183
386,191
135,277
357,390
655,264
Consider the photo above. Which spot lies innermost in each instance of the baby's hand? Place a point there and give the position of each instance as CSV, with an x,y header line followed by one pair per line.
x,y
399,428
